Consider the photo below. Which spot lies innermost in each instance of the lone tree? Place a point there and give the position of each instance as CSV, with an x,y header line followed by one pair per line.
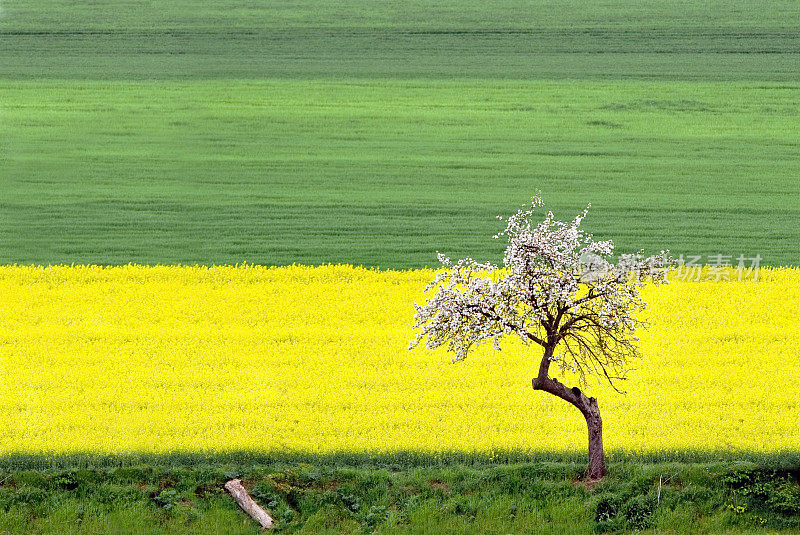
x,y
558,289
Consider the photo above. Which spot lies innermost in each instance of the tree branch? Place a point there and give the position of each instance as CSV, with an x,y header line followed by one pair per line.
x,y
234,486
505,323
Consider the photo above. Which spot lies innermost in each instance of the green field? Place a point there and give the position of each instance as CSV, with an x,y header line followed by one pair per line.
x,y
321,132
512,39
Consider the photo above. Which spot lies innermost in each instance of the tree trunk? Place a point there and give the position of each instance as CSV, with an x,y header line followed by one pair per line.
x,y
597,459
590,411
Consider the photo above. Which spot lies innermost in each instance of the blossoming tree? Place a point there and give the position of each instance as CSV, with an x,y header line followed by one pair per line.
x,y
558,290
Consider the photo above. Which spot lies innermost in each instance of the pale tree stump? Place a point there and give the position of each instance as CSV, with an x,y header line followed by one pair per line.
x,y
234,486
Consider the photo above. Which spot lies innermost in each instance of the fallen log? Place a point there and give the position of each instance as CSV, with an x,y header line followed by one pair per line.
x,y
234,486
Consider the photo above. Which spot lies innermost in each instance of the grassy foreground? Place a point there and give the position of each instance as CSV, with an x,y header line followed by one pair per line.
x,y
386,495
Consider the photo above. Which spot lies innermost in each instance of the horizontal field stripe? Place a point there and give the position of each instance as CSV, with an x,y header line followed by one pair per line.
x,y
315,360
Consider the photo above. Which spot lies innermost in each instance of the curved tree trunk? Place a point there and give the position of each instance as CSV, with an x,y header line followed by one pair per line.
x,y
590,411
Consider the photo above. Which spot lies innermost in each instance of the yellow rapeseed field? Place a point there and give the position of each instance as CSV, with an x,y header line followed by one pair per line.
x,y
160,359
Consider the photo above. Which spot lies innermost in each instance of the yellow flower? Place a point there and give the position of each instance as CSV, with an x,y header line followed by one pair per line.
x,y
169,358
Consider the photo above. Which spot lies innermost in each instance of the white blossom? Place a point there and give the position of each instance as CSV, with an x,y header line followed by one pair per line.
x,y
558,288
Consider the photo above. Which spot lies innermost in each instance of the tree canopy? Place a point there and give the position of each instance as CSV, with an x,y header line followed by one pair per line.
x,y
558,288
